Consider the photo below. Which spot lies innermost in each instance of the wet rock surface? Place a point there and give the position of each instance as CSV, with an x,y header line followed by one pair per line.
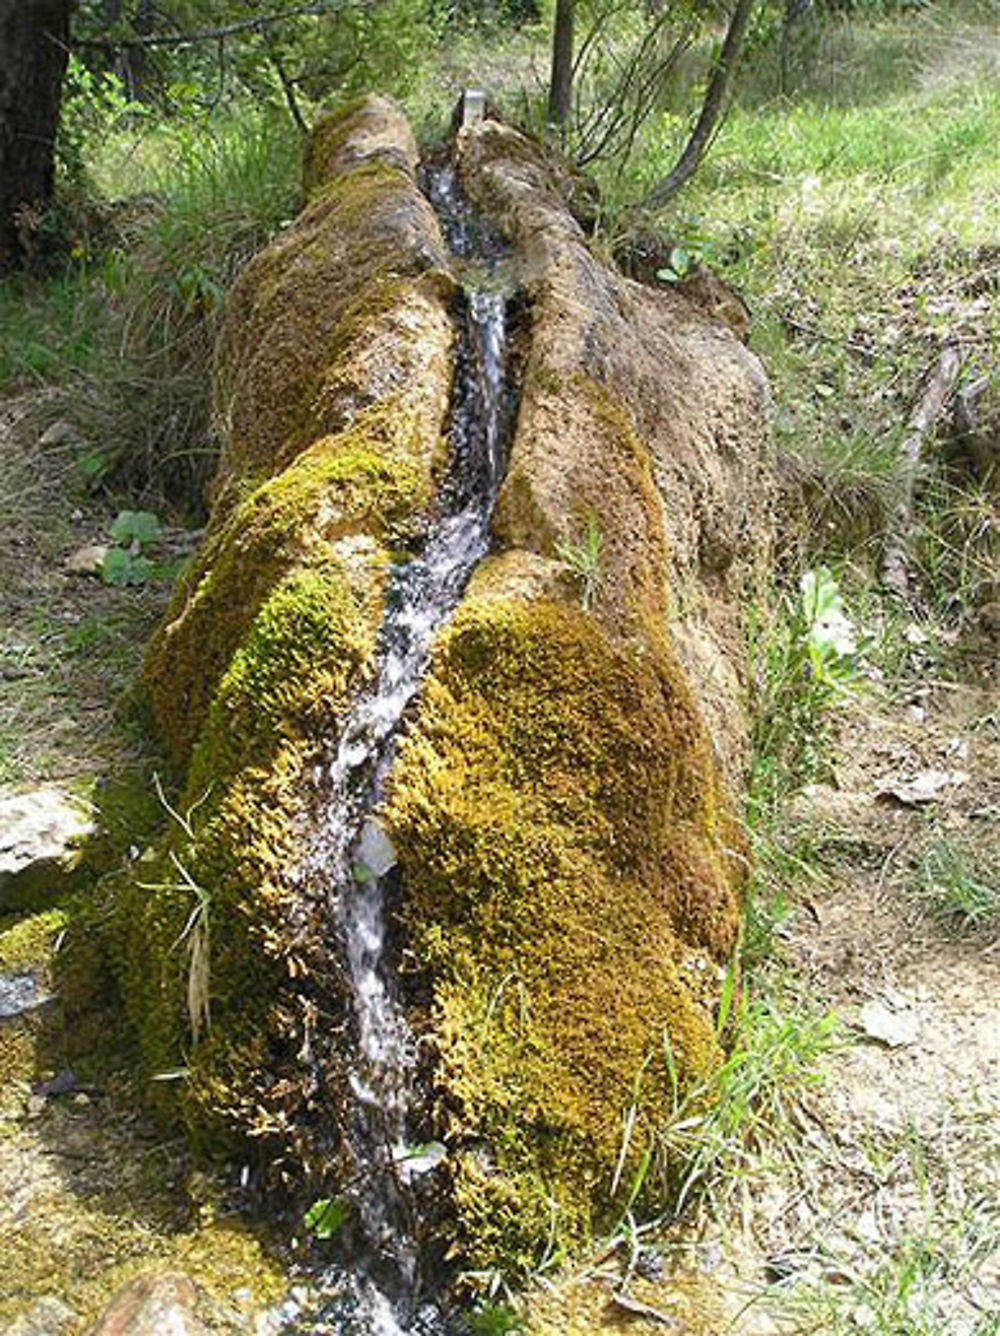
x,y
19,993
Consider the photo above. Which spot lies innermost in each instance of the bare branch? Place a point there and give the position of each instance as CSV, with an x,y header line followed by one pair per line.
x,y
895,573
257,23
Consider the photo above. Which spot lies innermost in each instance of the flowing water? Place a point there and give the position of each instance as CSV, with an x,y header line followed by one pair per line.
x,y
355,855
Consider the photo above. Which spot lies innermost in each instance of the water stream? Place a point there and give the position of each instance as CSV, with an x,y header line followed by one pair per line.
x,y
355,855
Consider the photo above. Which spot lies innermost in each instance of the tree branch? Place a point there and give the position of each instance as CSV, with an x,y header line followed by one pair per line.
x,y
895,575
257,23
704,130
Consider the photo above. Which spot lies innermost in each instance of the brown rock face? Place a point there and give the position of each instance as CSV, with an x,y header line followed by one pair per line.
x,y
340,311
152,1305
639,409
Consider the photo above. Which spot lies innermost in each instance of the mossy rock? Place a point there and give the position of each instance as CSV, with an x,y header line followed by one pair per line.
x,y
570,863
570,902
333,379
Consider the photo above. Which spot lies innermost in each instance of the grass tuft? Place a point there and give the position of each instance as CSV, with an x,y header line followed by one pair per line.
x,y
959,884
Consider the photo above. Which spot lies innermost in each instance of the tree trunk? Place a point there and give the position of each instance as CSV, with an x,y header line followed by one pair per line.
x,y
715,96
561,84
34,49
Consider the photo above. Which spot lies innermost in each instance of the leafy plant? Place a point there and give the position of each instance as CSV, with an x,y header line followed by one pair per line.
x,y
326,1217
582,558
136,526
125,564
683,262
804,668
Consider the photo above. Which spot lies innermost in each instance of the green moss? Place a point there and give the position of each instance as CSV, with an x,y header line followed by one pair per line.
x,y
27,943
561,835
340,487
325,159
83,1249
234,867
283,331
332,384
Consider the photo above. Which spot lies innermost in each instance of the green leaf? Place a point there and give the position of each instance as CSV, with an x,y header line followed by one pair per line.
x,y
326,1217
141,571
432,1153
121,568
136,526
93,465
116,566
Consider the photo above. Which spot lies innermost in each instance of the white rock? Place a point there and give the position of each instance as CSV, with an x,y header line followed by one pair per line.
x,y
375,850
46,1317
86,560
895,1029
42,826
60,433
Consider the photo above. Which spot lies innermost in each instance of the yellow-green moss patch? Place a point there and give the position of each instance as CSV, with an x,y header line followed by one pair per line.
x,y
558,821
28,942
363,128
227,884
341,487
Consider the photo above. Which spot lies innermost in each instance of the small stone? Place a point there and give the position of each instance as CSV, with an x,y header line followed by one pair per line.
x,y
47,1316
39,834
376,854
19,993
86,560
152,1305
927,787
894,1029
60,433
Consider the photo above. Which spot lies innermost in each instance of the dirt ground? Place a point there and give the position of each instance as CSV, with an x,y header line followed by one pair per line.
x,y
890,1220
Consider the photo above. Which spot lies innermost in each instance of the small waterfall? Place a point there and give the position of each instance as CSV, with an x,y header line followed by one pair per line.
x,y
353,856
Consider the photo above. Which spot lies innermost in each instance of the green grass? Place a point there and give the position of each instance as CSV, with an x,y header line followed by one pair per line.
x,y
49,332
958,883
724,1137
126,332
858,218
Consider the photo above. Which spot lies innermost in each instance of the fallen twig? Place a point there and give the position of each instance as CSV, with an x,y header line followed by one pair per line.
x,y
895,572
639,1309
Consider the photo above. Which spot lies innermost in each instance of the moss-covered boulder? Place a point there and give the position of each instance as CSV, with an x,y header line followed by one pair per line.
x,y
562,803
